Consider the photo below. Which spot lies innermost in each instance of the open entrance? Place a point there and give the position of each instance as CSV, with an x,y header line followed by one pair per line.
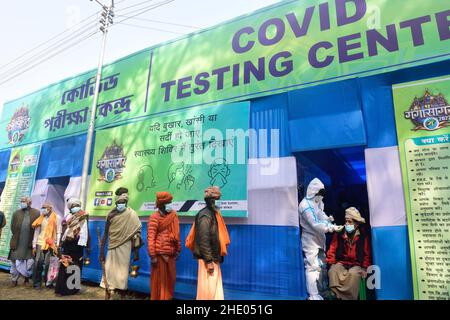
x,y
343,172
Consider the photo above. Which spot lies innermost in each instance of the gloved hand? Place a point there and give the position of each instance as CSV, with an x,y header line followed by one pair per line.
x,y
334,228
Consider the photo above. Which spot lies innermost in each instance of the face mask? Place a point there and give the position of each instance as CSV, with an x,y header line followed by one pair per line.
x,y
169,207
75,209
23,205
44,211
218,204
121,207
349,228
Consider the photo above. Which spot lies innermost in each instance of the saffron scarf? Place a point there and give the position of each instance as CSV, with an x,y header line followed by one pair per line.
x,y
50,230
171,222
224,238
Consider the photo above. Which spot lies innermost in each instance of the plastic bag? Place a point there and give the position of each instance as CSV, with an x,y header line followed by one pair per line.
x,y
53,270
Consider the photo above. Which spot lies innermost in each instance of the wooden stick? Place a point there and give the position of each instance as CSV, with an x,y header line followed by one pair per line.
x,y
102,261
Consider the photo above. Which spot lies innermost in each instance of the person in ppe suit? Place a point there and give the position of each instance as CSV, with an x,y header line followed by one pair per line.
x,y
315,224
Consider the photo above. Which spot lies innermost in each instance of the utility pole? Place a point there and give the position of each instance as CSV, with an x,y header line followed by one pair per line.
x,y
105,21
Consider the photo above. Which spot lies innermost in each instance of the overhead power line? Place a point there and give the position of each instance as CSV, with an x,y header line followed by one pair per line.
x,y
144,10
70,41
150,28
49,49
159,21
135,5
47,58
49,40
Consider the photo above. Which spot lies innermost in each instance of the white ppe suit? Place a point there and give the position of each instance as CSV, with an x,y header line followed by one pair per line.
x,y
315,224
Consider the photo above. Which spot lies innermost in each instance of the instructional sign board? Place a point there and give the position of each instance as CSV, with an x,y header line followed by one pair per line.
x,y
183,153
422,113
20,180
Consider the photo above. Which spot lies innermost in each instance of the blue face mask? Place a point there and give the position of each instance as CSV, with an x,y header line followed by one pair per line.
x,y
218,204
121,207
44,211
23,205
75,209
169,207
349,228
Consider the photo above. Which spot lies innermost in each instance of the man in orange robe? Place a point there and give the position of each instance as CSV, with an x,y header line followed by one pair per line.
x,y
208,241
164,246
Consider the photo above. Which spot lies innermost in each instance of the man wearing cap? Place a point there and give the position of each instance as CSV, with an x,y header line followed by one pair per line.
x,y
123,232
349,256
47,233
21,244
164,246
208,241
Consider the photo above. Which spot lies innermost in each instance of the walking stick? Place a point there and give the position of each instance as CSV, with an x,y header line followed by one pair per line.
x,y
102,261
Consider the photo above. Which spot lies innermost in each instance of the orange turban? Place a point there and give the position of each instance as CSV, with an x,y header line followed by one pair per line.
x,y
213,192
163,197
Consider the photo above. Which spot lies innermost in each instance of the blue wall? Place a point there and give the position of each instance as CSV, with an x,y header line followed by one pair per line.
x,y
263,264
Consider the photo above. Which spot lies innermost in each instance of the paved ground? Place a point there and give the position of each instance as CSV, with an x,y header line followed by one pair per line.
x,y
89,291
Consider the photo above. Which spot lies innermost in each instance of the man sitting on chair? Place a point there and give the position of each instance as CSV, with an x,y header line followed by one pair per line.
x,y
349,257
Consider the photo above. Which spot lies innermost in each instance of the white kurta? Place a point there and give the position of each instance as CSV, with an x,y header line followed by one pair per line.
x,y
117,266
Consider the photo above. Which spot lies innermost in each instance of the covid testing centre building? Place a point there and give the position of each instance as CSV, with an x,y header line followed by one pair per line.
x,y
354,92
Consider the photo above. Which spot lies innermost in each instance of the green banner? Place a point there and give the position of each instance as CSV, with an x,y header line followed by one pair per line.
x,y
20,180
298,43
62,109
183,153
422,113
283,47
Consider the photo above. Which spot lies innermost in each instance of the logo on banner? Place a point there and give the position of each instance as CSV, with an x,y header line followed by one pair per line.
x,y
18,125
15,163
103,202
429,112
111,163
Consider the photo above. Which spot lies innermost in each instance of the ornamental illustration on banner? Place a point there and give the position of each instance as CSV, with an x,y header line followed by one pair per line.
x,y
15,163
429,112
112,163
18,125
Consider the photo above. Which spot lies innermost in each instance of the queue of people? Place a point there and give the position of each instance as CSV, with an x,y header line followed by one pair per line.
x,y
40,238
43,243
341,268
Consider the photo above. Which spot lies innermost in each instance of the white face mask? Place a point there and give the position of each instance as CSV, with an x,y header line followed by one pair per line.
x,y
44,211
23,205
75,209
169,207
349,228
121,207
